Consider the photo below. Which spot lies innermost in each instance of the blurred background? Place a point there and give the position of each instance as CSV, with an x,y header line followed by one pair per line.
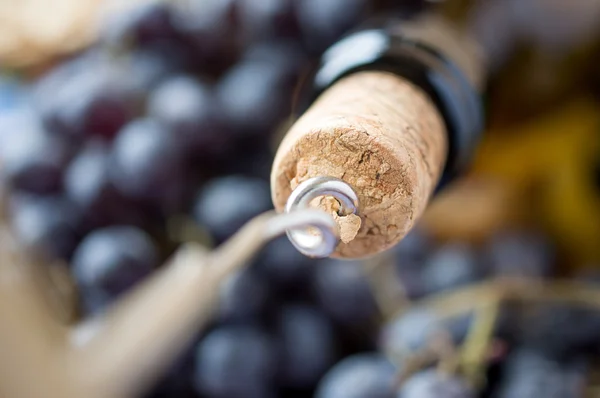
x,y
128,128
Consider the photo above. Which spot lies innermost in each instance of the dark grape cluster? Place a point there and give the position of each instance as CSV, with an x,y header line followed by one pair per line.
x,y
545,347
171,115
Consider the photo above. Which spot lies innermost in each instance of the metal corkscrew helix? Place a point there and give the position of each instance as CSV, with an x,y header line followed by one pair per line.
x,y
321,243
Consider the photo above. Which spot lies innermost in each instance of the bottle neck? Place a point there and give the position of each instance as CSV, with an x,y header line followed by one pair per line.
x,y
433,55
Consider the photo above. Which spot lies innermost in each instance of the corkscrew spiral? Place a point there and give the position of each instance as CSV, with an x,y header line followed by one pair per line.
x,y
321,243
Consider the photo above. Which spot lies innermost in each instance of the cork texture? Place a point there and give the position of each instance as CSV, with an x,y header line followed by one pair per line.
x,y
384,137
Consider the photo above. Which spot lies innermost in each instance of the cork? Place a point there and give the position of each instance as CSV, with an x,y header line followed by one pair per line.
x,y
382,135
348,225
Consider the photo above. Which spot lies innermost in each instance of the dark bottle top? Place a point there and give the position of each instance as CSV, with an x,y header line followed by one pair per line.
x,y
431,54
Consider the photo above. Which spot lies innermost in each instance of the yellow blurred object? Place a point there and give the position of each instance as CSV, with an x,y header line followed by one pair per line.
x,y
472,209
543,174
33,31
551,161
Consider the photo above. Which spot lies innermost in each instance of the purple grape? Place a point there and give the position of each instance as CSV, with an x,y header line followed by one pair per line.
x,y
410,331
254,96
142,24
147,161
210,18
148,67
285,55
520,254
49,226
235,362
208,28
87,184
433,384
414,247
414,329
405,8
263,19
86,179
226,204
344,293
173,387
527,374
286,268
252,158
88,97
32,160
13,95
14,120
450,267
366,375
324,21
95,302
244,296
308,349
179,379
111,260
54,78
186,106
409,256
560,331
411,278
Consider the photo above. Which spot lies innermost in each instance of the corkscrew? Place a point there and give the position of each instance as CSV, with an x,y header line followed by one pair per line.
x,y
100,356
319,245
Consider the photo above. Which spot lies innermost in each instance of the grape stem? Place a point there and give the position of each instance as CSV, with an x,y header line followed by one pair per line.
x,y
414,362
475,350
485,300
476,296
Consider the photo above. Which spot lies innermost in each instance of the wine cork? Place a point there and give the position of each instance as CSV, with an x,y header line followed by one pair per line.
x,y
382,135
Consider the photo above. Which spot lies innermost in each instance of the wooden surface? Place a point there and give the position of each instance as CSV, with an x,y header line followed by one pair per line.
x,y
35,31
380,134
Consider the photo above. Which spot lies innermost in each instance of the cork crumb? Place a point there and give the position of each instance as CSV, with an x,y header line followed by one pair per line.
x,y
348,225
